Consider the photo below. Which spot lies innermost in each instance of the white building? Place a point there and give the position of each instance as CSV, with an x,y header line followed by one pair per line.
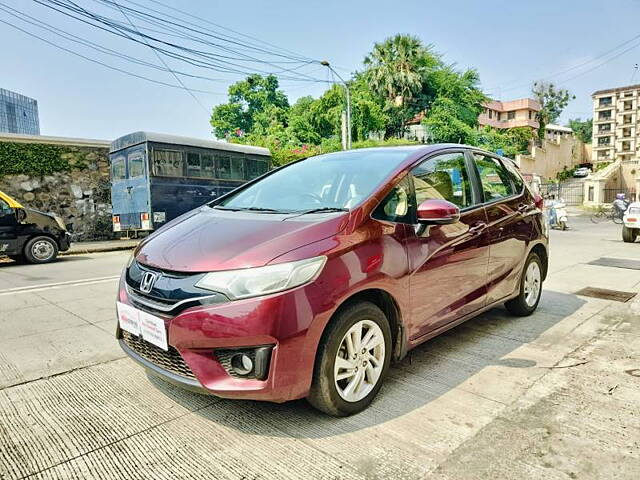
x,y
615,116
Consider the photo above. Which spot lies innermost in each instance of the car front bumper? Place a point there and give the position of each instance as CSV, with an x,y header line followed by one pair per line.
x,y
64,242
289,324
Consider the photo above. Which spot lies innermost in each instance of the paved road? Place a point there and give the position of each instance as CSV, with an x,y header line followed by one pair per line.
x,y
555,395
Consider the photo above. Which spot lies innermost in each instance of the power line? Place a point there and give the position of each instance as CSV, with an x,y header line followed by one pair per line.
x,y
203,59
167,66
126,72
76,39
580,65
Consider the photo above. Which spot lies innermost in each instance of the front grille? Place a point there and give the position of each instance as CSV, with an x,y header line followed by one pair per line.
x,y
167,360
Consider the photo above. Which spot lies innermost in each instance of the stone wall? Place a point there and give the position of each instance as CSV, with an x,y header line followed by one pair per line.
x,y
82,197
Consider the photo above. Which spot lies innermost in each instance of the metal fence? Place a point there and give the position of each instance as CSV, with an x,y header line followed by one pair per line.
x,y
610,194
571,192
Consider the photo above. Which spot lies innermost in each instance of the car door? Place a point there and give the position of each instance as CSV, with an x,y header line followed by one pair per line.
x,y
8,227
509,209
448,262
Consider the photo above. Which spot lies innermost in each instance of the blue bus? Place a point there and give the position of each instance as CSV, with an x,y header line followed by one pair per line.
x,y
157,177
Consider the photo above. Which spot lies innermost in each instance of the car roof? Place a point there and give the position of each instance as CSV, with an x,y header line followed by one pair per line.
x,y
10,201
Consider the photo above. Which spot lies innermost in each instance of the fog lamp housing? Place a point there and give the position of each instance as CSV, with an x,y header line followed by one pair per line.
x,y
247,363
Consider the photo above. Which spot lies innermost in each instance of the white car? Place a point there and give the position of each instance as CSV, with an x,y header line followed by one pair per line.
x,y
581,172
631,220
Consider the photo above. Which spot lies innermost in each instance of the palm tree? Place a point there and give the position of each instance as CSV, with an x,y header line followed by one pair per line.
x,y
395,68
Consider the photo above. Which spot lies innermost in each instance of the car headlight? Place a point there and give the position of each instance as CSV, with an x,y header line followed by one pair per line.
x,y
252,282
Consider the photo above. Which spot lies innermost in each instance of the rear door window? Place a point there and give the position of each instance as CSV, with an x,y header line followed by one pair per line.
x,y
118,168
136,164
494,177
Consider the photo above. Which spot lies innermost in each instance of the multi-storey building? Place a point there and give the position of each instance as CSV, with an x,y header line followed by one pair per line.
x,y
514,113
615,124
18,114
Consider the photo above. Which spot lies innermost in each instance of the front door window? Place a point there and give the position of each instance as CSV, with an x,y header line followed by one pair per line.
x,y
443,177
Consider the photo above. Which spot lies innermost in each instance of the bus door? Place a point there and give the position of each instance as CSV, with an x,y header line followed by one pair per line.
x,y
130,190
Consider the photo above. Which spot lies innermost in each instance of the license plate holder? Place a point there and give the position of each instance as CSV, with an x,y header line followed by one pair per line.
x,y
142,324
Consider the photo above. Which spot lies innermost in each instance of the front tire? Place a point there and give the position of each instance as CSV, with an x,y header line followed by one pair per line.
x,y
530,288
563,225
41,250
629,234
353,358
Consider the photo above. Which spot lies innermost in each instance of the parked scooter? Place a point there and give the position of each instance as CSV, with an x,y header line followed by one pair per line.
x,y
557,213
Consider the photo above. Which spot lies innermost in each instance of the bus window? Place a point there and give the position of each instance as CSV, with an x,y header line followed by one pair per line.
x,y
223,167
237,168
167,163
136,164
255,168
118,169
193,164
208,169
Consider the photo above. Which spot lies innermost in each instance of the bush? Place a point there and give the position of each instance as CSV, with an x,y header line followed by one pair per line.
x,y
37,159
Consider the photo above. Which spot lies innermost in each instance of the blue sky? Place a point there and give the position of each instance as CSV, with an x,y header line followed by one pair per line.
x,y
511,43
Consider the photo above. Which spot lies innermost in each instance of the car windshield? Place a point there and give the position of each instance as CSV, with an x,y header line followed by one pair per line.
x,y
335,181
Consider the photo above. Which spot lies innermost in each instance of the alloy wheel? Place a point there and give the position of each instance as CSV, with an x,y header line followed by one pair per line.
x,y
359,361
532,284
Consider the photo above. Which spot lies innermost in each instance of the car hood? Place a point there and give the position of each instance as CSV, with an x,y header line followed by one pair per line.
x,y
42,219
211,240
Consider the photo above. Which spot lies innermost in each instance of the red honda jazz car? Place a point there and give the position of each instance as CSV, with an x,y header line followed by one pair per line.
x,y
309,280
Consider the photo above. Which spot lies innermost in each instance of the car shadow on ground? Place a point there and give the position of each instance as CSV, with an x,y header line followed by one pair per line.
x,y
430,371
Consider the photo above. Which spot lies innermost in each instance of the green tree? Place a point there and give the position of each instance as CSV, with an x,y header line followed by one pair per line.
x,y
552,101
512,141
583,130
254,103
395,71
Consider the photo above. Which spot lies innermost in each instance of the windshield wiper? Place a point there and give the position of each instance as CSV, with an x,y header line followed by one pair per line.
x,y
323,209
260,209
225,208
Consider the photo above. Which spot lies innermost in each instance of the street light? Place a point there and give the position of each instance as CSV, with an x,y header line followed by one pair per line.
x,y
347,141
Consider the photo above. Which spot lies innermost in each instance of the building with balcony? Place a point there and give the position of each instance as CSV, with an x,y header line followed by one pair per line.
x,y
510,114
615,124
18,114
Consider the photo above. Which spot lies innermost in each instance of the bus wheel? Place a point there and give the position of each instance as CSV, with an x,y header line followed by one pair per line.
x,y
41,250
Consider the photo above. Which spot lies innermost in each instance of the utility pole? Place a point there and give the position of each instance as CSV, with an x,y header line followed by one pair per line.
x,y
346,140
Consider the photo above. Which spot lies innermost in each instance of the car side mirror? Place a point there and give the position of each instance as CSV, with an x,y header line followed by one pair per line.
x,y
20,214
437,212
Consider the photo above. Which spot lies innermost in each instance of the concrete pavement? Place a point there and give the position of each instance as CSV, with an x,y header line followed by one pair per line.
x,y
555,395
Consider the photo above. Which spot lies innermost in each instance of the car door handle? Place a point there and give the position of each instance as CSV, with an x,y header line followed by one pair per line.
x,y
477,228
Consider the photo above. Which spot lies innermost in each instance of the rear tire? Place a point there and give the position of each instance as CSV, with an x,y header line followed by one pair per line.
x,y
346,380
41,250
629,234
530,288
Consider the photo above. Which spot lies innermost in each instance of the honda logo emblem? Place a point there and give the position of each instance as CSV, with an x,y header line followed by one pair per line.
x,y
148,279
